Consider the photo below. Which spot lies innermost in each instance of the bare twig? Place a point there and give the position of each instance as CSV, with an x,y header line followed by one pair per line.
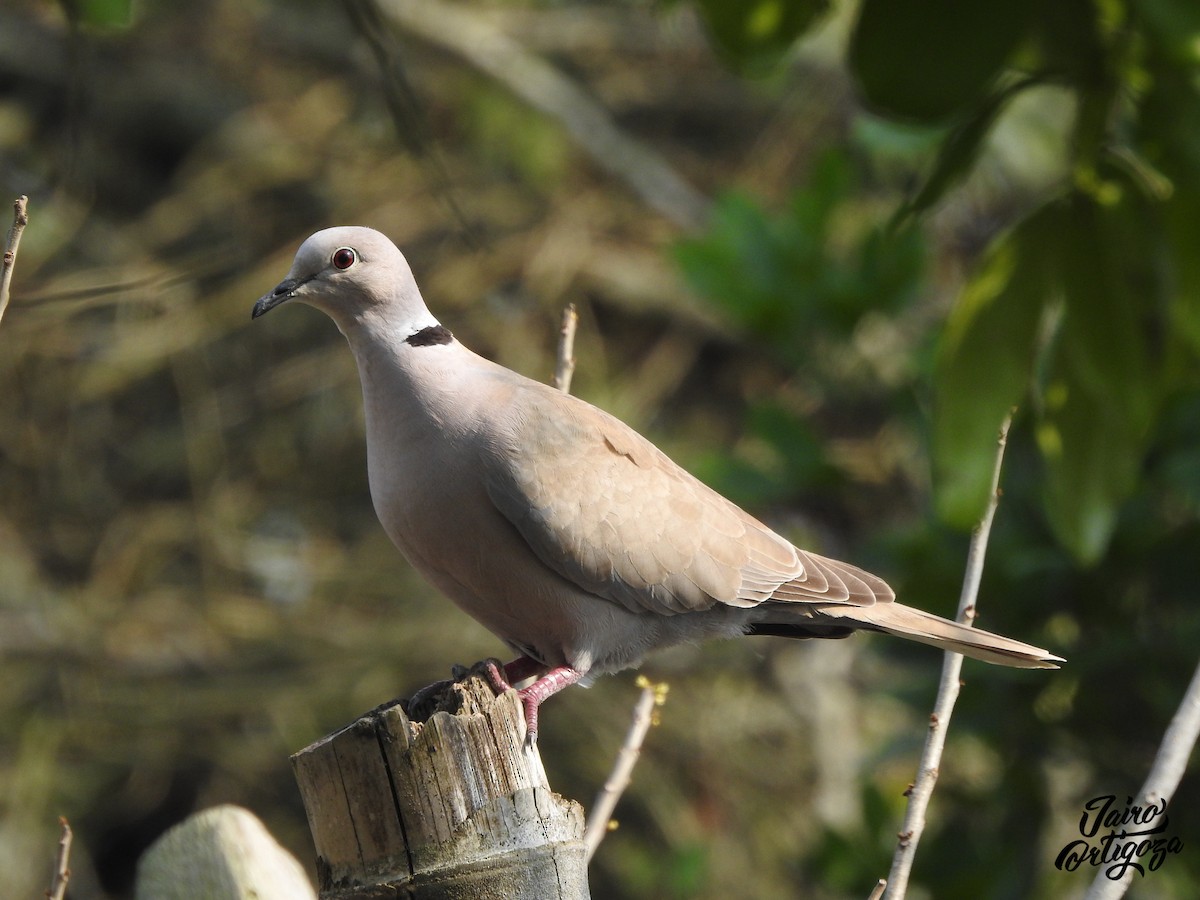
x,y
935,741
541,85
877,891
600,821
1169,765
62,870
20,220
653,695
565,367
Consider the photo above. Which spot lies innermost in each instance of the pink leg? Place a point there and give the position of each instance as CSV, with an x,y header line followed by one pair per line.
x,y
545,687
531,697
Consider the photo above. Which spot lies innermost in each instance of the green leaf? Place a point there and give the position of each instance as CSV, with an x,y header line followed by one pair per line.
x,y
1113,295
927,59
1176,25
1092,460
754,35
984,366
735,266
1183,231
1077,43
1104,388
788,275
959,150
1100,385
1177,466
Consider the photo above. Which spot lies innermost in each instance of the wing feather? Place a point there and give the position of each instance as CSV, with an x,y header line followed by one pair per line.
x,y
606,509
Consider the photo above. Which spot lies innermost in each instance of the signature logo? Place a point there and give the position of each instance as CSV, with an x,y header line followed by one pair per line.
x,y
1140,844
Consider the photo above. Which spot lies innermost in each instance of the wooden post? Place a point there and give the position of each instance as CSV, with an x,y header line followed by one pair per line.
x,y
221,853
455,808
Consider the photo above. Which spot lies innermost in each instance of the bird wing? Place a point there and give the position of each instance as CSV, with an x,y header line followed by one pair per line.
x,y
606,509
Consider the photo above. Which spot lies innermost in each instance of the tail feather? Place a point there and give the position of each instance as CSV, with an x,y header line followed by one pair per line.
x,y
917,625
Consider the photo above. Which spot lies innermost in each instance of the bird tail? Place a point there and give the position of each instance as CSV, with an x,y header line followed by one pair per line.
x,y
917,625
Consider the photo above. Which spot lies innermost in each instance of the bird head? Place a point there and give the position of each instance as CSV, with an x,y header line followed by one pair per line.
x,y
350,272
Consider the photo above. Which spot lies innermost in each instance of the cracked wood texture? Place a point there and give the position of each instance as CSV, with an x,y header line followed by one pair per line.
x,y
453,808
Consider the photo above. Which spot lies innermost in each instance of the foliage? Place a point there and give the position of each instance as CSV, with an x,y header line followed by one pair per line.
x,y
1085,311
798,282
790,278
1081,312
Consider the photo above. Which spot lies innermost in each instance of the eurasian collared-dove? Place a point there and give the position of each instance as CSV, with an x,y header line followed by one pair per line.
x,y
558,527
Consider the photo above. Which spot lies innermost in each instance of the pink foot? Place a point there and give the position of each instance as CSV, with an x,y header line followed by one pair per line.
x,y
547,686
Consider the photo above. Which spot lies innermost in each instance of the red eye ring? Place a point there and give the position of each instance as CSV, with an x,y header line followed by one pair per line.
x,y
343,258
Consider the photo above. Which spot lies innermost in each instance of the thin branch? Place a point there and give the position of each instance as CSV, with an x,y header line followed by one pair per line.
x,y
877,892
62,870
935,741
544,87
565,367
600,822
653,695
20,220
1169,765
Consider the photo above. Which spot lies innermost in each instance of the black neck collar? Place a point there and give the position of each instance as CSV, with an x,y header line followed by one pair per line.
x,y
429,336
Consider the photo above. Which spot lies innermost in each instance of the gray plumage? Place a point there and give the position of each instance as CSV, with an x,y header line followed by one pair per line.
x,y
559,528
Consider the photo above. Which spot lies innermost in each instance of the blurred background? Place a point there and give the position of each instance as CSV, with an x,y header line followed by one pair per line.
x,y
818,249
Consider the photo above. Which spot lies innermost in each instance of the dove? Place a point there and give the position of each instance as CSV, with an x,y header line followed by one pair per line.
x,y
563,531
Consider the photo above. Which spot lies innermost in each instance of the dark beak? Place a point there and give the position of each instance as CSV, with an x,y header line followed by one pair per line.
x,y
285,290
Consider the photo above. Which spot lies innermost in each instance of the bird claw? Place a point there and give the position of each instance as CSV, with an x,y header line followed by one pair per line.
x,y
495,671
500,677
530,707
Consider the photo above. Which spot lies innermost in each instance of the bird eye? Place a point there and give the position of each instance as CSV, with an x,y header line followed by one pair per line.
x,y
344,258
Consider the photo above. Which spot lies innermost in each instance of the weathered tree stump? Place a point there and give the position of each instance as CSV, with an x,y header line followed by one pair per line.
x,y
454,808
